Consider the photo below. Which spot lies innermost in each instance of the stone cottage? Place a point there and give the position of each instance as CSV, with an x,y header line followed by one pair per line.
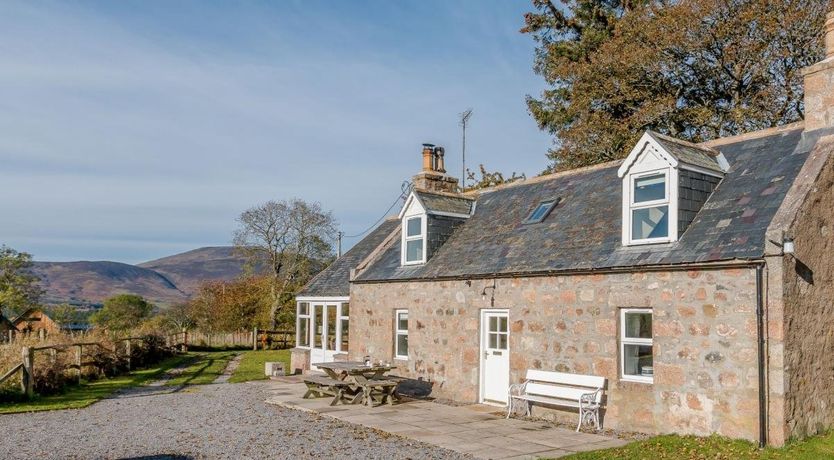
x,y
696,278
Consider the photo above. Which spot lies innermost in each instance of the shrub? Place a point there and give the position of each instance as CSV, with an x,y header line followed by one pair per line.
x,y
150,350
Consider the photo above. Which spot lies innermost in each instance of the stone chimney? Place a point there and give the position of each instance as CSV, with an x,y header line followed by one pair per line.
x,y
433,177
819,85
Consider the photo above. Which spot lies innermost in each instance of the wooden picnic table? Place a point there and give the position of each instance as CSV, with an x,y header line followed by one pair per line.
x,y
354,382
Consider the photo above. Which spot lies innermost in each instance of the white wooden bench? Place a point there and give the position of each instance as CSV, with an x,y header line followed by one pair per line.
x,y
559,389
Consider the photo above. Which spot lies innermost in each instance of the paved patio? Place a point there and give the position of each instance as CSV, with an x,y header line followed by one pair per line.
x,y
474,429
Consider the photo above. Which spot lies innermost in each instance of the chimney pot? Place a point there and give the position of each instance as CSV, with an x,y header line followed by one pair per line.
x,y
441,162
428,157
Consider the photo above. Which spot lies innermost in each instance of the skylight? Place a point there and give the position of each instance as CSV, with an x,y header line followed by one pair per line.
x,y
541,211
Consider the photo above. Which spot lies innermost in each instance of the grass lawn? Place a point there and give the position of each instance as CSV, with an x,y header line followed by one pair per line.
x,y
713,447
252,365
205,367
87,393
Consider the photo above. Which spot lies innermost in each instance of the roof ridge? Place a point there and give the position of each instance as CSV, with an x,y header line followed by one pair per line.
x,y
444,194
549,176
686,143
754,134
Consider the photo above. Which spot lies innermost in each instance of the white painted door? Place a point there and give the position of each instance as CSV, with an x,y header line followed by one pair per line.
x,y
495,356
324,345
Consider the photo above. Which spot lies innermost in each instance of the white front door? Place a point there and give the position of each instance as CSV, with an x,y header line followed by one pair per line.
x,y
324,345
495,356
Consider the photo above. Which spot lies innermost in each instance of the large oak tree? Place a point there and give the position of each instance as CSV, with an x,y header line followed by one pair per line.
x,y
693,69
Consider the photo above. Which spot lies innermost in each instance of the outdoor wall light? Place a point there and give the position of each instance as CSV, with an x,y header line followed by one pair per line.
x,y
788,245
484,293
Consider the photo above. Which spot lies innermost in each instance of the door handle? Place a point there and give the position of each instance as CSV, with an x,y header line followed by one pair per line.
x,y
486,354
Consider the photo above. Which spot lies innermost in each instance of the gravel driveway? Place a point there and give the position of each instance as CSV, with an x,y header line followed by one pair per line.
x,y
210,421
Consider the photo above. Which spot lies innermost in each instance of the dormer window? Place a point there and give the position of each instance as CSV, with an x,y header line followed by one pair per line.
x,y
414,240
649,207
428,220
666,181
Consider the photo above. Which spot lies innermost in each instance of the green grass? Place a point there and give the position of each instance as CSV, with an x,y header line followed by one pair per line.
x,y
252,365
79,396
205,367
713,447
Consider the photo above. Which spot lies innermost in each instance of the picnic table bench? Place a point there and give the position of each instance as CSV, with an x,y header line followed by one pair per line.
x,y
353,383
560,389
320,386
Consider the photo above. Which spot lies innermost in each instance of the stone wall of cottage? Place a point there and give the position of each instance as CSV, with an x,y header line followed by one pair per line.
x,y
704,328
809,314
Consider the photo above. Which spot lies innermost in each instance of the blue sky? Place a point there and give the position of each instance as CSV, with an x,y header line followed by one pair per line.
x,y
132,130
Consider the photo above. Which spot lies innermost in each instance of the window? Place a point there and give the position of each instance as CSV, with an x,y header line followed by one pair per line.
x,y
649,208
343,324
414,240
401,334
636,345
541,211
303,325
498,333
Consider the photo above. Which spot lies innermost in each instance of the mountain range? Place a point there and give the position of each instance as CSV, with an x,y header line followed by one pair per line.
x,y
164,281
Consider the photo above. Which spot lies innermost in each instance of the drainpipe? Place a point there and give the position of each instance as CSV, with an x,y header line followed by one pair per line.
x,y
761,343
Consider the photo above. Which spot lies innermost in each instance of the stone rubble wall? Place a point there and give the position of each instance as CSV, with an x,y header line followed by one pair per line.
x,y
809,314
704,326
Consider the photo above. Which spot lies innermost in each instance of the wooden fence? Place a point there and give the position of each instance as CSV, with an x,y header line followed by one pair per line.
x,y
27,366
255,338
41,335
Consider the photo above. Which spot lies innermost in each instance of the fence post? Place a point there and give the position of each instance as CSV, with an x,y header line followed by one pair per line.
x,y
184,340
255,339
78,353
28,380
127,350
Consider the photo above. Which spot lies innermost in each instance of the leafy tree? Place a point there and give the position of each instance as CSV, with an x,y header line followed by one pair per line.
x,y
63,314
291,236
490,179
225,306
122,312
693,69
19,288
180,317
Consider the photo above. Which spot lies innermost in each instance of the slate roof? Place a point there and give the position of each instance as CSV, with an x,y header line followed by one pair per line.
x,y
584,231
688,152
445,203
334,281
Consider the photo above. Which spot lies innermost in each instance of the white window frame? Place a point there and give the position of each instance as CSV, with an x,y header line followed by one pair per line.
x,y
670,201
339,329
421,236
633,341
298,318
398,332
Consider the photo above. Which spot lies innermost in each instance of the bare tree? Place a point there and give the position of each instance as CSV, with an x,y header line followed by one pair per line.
x,y
289,236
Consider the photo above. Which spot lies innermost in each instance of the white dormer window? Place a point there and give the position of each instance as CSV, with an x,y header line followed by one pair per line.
x,y
649,207
653,175
414,240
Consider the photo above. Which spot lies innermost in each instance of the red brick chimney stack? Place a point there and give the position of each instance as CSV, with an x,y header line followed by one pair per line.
x,y
819,85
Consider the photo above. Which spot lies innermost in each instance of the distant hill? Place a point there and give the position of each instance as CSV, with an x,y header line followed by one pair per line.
x,y
189,269
165,281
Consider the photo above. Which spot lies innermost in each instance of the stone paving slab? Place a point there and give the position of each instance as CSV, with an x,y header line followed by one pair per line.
x,y
473,430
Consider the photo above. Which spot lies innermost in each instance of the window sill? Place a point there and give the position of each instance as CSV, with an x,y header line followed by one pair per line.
x,y
637,379
652,241
400,358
